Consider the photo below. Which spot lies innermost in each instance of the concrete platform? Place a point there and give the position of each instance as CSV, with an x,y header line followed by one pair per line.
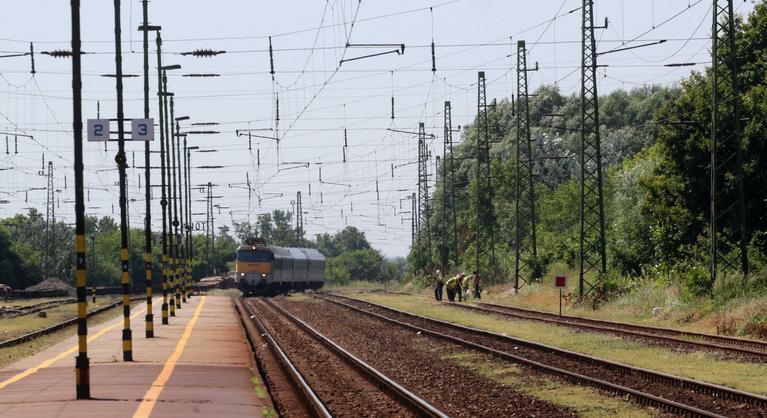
x,y
198,365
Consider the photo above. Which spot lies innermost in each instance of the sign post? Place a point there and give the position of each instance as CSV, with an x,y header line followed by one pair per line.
x,y
560,282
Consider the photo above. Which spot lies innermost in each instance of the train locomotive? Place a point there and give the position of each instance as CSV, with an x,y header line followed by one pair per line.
x,y
263,269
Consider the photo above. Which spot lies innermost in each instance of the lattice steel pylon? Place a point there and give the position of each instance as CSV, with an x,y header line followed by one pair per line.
x,y
50,222
525,221
424,210
485,218
592,257
299,215
448,191
729,233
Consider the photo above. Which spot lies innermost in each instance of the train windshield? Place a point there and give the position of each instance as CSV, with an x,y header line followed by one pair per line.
x,y
257,256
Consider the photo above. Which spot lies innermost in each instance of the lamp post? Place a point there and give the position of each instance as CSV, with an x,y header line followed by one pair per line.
x,y
189,247
127,340
181,199
82,367
148,259
163,94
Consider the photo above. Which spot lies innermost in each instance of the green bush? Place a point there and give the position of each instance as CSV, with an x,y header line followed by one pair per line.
x,y
697,281
607,288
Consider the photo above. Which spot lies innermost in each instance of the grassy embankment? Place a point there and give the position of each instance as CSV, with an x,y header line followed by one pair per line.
x,y
744,315
725,312
20,325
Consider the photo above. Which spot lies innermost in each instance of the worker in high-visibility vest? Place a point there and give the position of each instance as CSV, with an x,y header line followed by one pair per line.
x,y
454,286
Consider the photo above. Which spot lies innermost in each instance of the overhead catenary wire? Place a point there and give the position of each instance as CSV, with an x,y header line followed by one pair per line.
x,y
361,88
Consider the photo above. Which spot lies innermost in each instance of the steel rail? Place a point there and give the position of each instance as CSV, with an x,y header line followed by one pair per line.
x,y
640,397
249,319
55,327
409,399
733,343
8,313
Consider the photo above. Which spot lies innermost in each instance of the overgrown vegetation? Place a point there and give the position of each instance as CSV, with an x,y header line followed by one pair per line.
x,y
655,148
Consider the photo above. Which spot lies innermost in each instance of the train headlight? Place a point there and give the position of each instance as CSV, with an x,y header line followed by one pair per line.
x,y
263,274
242,274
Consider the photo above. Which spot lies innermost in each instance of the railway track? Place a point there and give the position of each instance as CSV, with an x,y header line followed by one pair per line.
x,y
672,394
743,345
30,309
302,397
333,383
61,325
738,347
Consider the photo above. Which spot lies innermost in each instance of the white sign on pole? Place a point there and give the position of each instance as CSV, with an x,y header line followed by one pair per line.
x,y
98,129
142,129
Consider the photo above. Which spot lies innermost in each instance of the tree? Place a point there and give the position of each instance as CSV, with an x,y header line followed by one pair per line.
x,y
351,239
276,229
681,191
10,262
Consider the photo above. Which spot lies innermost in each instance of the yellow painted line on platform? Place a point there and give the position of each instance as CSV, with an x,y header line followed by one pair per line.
x,y
62,355
153,394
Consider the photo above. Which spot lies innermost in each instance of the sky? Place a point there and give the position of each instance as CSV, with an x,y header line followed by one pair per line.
x,y
320,99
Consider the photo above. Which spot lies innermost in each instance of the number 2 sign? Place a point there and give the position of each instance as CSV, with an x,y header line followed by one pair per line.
x,y
98,129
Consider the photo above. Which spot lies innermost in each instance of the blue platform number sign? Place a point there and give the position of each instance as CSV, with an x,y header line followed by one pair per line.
x,y
142,129
98,129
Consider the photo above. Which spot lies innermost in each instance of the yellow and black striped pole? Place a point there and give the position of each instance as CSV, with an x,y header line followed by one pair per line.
x,y
171,238
164,288
189,286
174,209
180,213
127,340
171,282
93,291
188,176
82,367
149,318
149,291
162,84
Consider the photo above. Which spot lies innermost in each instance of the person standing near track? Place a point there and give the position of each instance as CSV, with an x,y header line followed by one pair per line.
x,y
475,283
439,283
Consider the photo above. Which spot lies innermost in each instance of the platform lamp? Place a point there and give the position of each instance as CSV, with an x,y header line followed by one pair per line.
x,y
168,265
181,197
190,247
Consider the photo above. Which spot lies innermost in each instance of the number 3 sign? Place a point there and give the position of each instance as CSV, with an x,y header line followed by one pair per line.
x,y
142,129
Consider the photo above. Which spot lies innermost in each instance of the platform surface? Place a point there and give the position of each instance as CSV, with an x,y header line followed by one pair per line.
x,y
198,365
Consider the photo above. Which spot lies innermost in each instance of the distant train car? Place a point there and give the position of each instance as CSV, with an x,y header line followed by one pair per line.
x,y
263,269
